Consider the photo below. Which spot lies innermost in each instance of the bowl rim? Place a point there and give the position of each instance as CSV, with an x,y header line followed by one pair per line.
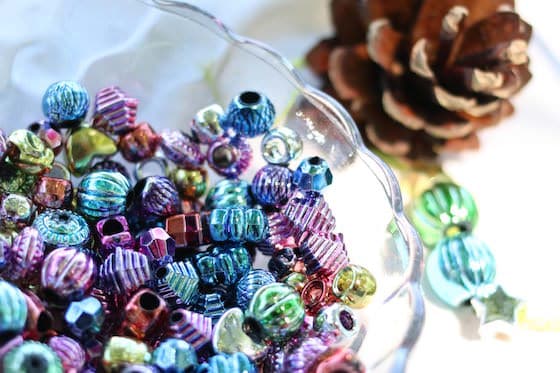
x,y
411,280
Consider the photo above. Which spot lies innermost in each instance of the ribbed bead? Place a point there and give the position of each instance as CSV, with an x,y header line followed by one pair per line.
x,y
250,283
222,265
115,111
13,309
70,352
193,327
25,255
125,270
323,254
302,357
210,305
62,228
181,150
310,212
280,231
65,101
272,185
250,114
174,356
229,193
181,278
31,357
102,194
238,224
224,363
229,156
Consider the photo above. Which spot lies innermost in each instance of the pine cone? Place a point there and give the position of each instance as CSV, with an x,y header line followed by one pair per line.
x,y
423,76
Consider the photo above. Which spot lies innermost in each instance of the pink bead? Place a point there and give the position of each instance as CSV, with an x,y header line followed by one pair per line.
x,y
155,243
71,354
114,232
310,212
322,254
25,255
302,357
281,231
181,150
115,111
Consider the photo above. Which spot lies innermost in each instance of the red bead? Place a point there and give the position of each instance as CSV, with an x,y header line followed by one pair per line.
x,y
39,320
114,232
316,294
187,230
53,193
140,143
145,315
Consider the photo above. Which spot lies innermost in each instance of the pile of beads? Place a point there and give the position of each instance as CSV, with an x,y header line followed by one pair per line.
x,y
142,276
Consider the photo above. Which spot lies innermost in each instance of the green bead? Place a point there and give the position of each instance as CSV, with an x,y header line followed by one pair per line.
x,y
122,350
13,309
228,336
297,280
14,180
191,184
32,357
444,210
354,285
83,145
174,356
275,312
102,194
28,152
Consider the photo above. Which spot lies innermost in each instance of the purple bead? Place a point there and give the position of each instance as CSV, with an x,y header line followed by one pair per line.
x,y
5,244
300,359
323,254
156,243
114,232
195,328
272,185
310,212
25,255
115,111
229,156
70,352
125,271
3,143
280,231
181,150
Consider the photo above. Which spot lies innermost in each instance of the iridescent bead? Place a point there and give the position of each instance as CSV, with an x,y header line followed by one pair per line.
x,y
140,143
5,243
39,323
310,212
15,211
313,174
26,255
71,354
122,350
272,185
62,228
125,271
193,327
300,359
137,368
249,114
223,265
229,193
281,231
85,317
444,210
53,193
354,285
144,315
281,146
14,180
296,280
102,194
316,294
210,305
238,224
83,145
9,345
51,136
31,357
323,254
339,320
156,243
275,312
338,360
188,230
229,156
224,363
459,268
191,184
282,262
65,101
114,232
181,278
206,124
115,111
181,149
229,337
174,356
13,310
110,165
248,285
3,143
28,152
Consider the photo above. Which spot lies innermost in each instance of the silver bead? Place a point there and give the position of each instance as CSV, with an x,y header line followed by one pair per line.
x,y
337,319
206,123
281,145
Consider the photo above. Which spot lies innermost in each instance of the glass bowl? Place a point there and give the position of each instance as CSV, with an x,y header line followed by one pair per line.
x,y
176,59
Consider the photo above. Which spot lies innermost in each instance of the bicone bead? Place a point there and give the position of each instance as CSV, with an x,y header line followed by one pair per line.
x,y
191,184
193,327
248,285
125,271
224,363
238,224
181,278
272,185
323,254
181,149
250,114
85,317
354,285
281,145
31,357
310,212
115,111
140,143
339,320
70,352
65,101
114,232
229,156
102,194
229,193
13,310
156,243
444,210
188,230
144,315
121,350
83,145
25,255
62,228
15,211
228,336
174,356
53,193
313,174
28,152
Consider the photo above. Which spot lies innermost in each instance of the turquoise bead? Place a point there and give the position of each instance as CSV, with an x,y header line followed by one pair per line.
x,y
62,228
229,193
174,356
461,267
65,101
224,363
31,357
102,194
13,309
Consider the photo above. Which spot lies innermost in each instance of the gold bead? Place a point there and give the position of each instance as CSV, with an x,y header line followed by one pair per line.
x,y
28,152
354,285
191,184
83,145
122,350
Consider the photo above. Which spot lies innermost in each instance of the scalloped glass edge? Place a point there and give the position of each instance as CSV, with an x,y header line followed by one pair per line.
x,y
397,358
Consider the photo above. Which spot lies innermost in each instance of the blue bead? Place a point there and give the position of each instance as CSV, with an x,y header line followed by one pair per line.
x,y
13,309
249,114
238,225
313,174
210,305
102,194
250,283
229,193
62,228
223,265
174,356
224,363
272,185
84,318
65,101
256,225
461,267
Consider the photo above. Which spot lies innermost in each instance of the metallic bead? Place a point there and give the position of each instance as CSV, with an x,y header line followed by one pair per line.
x,y
59,171
316,294
85,317
461,267
14,180
282,262
281,146
110,165
296,280
121,350
114,232
39,323
228,336
174,356
9,345
229,193
28,152
125,271
144,315
25,255
193,327
339,320
444,210
210,305
206,124
5,244
102,194
272,185
53,193
238,224
274,359
338,360
313,174
67,274
302,357
15,211
187,230
224,363
51,136
31,357
159,163
70,352
354,285
191,184
229,156
248,285
13,310
275,312
222,265
323,254
181,278
138,368
3,143
62,228
83,145
310,212
65,101
115,111
281,232
249,114
181,149
156,243
140,143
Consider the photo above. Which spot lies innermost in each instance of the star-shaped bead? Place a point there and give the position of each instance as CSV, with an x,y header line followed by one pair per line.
x,y
497,313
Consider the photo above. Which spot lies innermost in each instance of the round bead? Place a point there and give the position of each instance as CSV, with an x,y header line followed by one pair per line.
x,y
140,143
296,280
206,124
31,357
313,174
224,363
102,194
71,354
250,114
275,312
174,356
229,156
272,185
316,294
28,152
13,310
26,255
248,285
191,184
110,165
339,320
85,317
223,265
238,224
15,211
181,150
444,210
65,101
115,111
354,285
281,145
83,145
62,228
229,193
121,350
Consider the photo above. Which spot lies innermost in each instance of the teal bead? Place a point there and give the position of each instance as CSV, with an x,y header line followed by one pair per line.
x,y
174,356
461,267
181,278
444,210
31,357
62,228
224,363
229,193
223,265
13,309
256,225
313,174
85,318
102,194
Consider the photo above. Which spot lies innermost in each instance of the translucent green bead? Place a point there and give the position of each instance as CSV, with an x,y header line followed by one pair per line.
x,y
32,357
354,285
275,312
28,152
122,350
444,210
13,309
